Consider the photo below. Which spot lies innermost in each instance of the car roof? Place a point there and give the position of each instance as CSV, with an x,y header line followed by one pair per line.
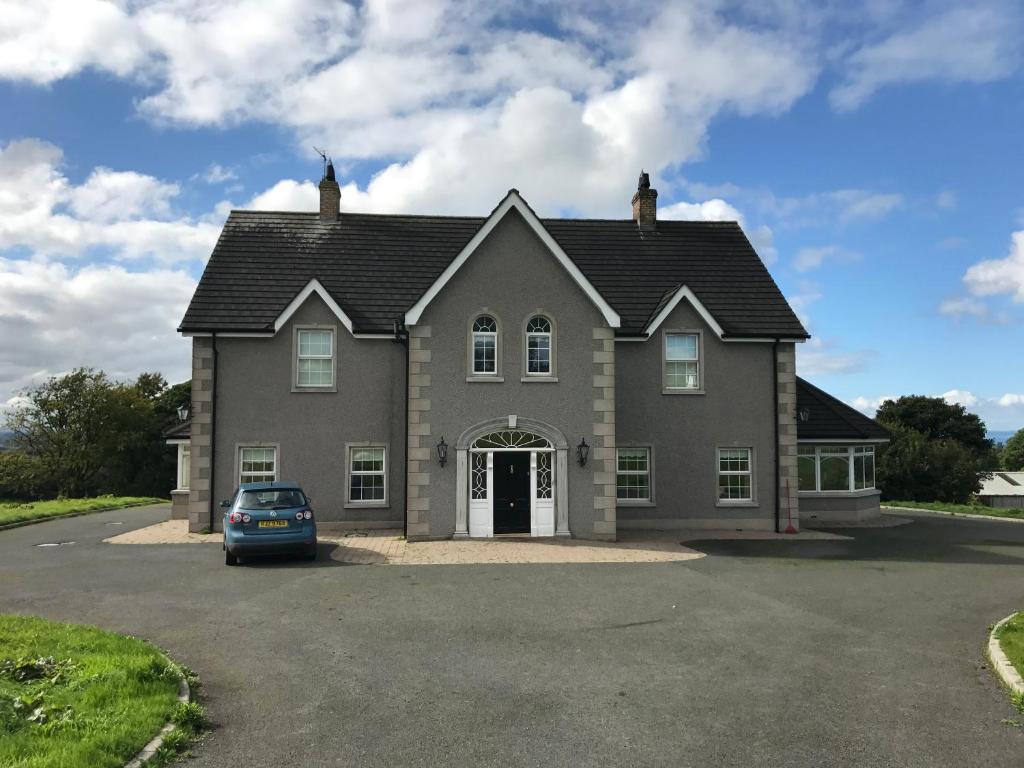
x,y
274,486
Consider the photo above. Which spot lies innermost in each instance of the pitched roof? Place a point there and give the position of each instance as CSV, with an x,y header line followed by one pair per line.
x,y
378,266
180,431
829,418
1003,484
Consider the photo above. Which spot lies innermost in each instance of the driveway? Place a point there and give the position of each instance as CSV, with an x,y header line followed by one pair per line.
x,y
860,652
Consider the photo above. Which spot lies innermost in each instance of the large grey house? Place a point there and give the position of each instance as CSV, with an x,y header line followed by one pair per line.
x,y
473,377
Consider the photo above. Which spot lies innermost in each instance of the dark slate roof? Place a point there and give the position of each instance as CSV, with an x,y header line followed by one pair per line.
x,y
830,418
377,266
179,431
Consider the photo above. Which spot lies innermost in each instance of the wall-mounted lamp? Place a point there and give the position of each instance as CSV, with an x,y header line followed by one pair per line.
x,y
582,452
442,452
183,412
804,413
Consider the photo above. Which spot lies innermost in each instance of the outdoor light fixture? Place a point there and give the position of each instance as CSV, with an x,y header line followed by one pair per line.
x,y
582,452
805,413
442,452
182,413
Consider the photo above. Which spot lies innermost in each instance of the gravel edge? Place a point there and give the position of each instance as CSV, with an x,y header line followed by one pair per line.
x,y
1002,666
147,752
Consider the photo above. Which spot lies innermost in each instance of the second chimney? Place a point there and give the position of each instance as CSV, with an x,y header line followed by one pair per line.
x,y
330,195
645,203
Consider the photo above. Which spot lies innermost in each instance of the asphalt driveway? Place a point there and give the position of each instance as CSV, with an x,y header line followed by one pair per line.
x,y
865,652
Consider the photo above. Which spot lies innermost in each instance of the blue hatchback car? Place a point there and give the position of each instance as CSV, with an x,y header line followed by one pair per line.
x,y
268,518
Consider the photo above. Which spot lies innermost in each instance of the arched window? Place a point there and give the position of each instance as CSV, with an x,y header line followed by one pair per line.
x,y
538,346
485,346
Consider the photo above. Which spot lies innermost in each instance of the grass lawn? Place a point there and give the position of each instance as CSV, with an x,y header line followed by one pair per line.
x,y
959,509
16,511
74,695
1011,639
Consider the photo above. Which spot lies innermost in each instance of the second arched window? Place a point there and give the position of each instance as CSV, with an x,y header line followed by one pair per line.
x,y
538,346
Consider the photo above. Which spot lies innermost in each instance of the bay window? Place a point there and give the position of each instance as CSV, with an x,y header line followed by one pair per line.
x,y
831,468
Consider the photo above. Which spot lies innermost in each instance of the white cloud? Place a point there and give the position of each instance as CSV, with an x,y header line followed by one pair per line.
x,y
857,204
710,210
1000,276
1011,399
463,101
965,44
812,258
961,397
126,212
54,317
218,174
946,200
870,404
823,356
289,195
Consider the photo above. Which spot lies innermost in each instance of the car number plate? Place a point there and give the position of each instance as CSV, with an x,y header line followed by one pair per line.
x,y
272,524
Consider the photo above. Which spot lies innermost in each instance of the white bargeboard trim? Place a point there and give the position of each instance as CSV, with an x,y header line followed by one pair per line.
x,y
313,286
513,200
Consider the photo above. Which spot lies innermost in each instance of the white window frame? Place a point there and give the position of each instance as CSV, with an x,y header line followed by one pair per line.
x,y
851,451
699,346
350,449
649,499
748,472
550,336
265,477
297,386
184,466
474,374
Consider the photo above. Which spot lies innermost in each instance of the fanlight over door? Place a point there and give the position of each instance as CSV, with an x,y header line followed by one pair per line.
x,y
510,439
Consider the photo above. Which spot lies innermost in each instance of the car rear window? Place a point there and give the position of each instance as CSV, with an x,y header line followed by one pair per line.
x,y
278,498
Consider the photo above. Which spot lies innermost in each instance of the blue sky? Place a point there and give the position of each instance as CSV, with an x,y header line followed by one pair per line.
x,y
873,156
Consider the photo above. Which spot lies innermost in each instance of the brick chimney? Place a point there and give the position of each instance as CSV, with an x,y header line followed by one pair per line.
x,y
645,203
330,195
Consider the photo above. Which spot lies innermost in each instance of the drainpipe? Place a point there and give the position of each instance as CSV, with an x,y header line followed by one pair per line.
x,y
213,433
402,337
775,410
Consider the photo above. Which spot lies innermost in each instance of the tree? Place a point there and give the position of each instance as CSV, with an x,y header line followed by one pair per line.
x,y
83,434
936,419
1013,453
914,468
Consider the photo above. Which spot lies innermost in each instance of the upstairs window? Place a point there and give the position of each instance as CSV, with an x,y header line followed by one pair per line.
x,y
314,366
538,346
485,346
682,361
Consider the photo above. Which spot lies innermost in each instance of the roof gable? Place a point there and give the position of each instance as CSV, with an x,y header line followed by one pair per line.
x,y
313,286
513,201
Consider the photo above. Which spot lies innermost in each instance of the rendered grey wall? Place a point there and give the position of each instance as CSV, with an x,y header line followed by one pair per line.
x,y
820,507
685,430
511,276
255,404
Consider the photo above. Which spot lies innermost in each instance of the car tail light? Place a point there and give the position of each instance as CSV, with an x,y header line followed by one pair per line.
x,y
246,518
235,517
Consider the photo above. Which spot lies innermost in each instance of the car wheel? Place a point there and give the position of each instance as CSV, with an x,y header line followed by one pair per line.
x,y
230,559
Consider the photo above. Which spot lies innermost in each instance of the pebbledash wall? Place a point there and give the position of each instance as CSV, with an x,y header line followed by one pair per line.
x,y
511,277
732,408
256,405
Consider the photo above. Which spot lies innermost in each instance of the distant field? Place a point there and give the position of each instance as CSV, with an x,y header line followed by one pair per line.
x,y
17,511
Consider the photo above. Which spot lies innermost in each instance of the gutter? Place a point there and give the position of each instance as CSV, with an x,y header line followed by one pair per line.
x,y
402,337
213,432
775,423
